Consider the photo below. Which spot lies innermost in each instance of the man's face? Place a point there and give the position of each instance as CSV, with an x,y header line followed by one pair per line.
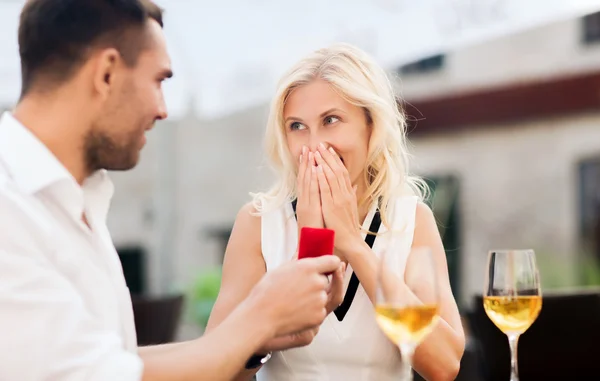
x,y
135,102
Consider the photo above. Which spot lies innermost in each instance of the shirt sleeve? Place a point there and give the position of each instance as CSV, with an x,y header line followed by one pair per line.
x,y
46,333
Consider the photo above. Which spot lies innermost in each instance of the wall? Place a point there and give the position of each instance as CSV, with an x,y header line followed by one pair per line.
x,y
518,186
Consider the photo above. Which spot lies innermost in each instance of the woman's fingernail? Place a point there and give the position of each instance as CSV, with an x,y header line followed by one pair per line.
x,y
332,150
301,158
322,145
304,150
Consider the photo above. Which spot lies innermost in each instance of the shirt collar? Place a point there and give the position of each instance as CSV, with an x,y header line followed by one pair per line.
x,y
34,168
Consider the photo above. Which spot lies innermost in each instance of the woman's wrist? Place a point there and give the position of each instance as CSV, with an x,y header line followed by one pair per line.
x,y
354,247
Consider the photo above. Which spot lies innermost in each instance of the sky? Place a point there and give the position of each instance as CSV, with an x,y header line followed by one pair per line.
x,y
229,55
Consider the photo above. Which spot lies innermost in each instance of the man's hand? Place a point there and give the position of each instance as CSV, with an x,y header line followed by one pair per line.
x,y
294,340
335,293
294,297
303,338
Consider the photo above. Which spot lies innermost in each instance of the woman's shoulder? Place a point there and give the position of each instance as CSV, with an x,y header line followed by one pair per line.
x,y
248,212
272,208
252,217
401,213
403,205
247,223
424,217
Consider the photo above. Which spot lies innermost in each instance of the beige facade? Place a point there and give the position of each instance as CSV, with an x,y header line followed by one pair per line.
x,y
536,54
519,187
519,182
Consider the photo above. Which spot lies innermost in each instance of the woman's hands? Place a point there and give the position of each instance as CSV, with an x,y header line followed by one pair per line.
x,y
308,208
338,199
326,197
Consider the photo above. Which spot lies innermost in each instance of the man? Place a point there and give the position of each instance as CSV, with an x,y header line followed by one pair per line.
x,y
91,87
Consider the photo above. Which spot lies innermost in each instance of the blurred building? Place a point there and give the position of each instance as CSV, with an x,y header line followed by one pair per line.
x,y
509,132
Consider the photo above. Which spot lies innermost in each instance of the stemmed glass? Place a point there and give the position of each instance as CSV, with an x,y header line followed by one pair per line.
x,y
407,302
512,297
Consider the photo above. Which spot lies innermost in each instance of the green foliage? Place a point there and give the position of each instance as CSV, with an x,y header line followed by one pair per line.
x,y
560,272
203,294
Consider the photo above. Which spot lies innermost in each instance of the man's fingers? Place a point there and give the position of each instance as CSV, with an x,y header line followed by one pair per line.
x,y
292,340
336,289
337,282
324,264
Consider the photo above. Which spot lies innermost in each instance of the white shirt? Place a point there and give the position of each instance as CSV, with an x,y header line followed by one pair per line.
x,y
354,349
65,310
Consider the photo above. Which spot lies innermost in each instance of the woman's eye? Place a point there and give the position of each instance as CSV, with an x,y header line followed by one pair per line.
x,y
297,126
331,119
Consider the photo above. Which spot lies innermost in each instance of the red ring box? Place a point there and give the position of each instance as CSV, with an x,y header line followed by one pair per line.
x,y
315,242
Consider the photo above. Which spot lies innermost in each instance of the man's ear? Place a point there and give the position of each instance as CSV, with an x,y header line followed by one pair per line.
x,y
106,71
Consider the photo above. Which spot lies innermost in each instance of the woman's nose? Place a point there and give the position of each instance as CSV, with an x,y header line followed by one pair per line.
x,y
315,142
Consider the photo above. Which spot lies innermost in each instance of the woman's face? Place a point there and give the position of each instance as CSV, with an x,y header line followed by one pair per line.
x,y
315,113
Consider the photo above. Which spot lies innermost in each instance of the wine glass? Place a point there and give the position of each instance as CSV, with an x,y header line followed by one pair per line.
x,y
407,301
512,296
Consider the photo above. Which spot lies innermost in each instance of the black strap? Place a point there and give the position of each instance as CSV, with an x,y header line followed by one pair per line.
x,y
343,309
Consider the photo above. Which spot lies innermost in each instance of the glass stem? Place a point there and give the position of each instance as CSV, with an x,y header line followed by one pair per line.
x,y
513,340
407,351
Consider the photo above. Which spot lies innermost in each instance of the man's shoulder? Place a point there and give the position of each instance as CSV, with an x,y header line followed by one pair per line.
x,y
11,198
21,218
13,201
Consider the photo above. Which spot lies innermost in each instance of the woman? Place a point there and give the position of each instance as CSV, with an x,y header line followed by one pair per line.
x,y
336,139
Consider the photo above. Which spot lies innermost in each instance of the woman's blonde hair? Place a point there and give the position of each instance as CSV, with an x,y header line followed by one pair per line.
x,y
360,81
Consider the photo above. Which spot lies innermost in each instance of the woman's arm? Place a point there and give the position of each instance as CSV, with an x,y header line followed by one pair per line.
x,y
243,266
438,357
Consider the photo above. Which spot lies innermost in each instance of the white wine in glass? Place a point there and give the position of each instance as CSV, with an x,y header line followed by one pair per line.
x,y
407,303
512,297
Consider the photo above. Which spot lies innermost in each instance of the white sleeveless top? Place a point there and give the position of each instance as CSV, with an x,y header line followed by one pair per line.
x,y
353,349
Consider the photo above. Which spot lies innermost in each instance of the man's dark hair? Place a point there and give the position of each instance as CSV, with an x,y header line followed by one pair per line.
x,y
57,36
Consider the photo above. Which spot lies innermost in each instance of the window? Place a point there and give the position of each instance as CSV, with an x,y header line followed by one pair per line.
x,y
590,28
444,201
426,65
589,206
133,259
